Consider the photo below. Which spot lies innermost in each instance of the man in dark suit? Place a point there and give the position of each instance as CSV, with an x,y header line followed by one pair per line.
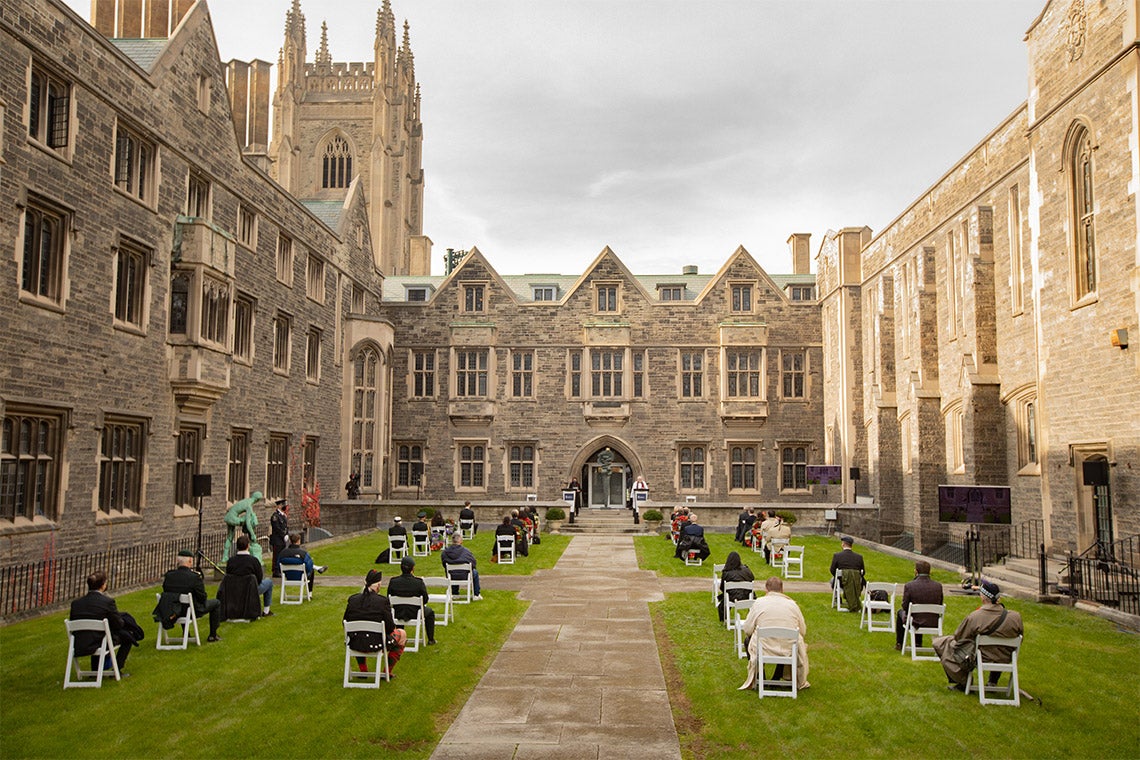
x,y
467,513
244,563
294,554
406,584
847,569
921,590
371,605
183,579
278,533
97,605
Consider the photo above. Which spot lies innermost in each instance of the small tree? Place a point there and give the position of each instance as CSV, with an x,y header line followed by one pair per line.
x,y
555,513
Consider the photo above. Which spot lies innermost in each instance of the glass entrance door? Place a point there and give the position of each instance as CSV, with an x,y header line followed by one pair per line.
x,y
607,486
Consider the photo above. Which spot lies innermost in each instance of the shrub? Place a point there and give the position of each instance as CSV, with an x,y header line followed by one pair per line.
x,y
652,514
430,513
555,513
788,517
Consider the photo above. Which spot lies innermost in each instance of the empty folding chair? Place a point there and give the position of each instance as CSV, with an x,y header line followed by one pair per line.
x,y
439,594
421,546
294,583
772,687
729,587
912,632
505,549
793,561
354,678
872,605
186,622
1012,690
693,557
414,621
77,676
716,581
740,612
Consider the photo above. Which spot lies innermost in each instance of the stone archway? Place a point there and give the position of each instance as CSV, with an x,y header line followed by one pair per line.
x,y
605,467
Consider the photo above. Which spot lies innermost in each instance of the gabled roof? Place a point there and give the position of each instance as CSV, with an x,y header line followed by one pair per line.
x,y
143,52
327,211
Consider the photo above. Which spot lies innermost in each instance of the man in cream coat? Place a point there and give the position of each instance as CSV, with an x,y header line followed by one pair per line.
x,y
776,610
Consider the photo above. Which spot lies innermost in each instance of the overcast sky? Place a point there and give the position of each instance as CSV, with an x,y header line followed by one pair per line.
x,y
674,131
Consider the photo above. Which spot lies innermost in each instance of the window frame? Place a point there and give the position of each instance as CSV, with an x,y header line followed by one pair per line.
x,y
522,466
187,464
50,286
670,293
336,163
50,115
543,293
471,381
422,364
743,475
242,331
277,466
742,297
753,376
237,464
367,366
122,472
247,222
313,355
474,295
134,164
691,469
1080,167
315,278
688,377
522,373
199,196
607,372
284,259
607,298
471,465
409,464
130,294
792,374
797,466
282,343
41,501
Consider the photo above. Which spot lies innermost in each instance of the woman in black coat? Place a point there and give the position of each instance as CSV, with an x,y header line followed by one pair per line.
x,y
734,570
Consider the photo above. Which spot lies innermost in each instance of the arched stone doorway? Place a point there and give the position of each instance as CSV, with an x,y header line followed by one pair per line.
x,y
606,468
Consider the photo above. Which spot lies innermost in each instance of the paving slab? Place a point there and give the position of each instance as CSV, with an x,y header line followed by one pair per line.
x,y
579,678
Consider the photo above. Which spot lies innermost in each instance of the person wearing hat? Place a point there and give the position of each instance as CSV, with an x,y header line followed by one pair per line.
x,y
372,605
183,579
278,533
847,570
398,528
409,585
991,619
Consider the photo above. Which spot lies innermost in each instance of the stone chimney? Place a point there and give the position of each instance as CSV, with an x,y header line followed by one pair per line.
x,y
851,242
248,85
138,18
800,243
689,269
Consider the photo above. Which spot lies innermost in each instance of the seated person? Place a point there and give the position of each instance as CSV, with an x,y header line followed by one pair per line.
x,y
293,554
397,528
244,563
504,529
847,569
458,554
183,579
692,537
419,525
991,619
921,590
520,534
370,604
778,530
406,584
467,513
437,520
734,571
98,605
776,610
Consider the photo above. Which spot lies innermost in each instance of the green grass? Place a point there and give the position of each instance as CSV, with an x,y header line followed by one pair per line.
x,y
269,689
867,700
356,555
656,553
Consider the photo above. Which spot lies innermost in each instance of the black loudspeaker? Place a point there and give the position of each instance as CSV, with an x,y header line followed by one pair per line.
x,y
201,486
854,473
1095,472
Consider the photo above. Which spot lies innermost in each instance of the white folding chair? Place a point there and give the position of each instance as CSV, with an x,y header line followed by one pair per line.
x,y
793,561
505,549
693,557
397,549
294,583
106,651
716,581
770,687
836,592
357,679
416,621
188,620
758,545
1012,690
421,543
466,585
776,549
729,604
871,606
467,528
740,612
441,598
911,634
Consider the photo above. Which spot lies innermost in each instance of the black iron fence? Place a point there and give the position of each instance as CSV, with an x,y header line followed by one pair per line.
x,y
56,581
1107,573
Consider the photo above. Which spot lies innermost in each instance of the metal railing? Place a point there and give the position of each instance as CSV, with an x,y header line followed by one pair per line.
x,y
1107,573
54,582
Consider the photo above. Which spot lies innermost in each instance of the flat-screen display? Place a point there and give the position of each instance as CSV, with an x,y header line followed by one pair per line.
x,y
825,474
974,504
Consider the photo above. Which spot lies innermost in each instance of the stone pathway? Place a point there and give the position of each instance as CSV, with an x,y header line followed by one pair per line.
x,y
579,677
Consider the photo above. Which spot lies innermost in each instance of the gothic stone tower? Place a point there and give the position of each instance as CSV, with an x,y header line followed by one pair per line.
x,y
334,122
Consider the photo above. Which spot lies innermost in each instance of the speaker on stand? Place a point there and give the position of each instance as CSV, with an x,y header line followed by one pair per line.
x,y
199,487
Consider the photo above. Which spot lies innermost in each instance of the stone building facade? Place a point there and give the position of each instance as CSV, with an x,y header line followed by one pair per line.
x,y
981,337
167,309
